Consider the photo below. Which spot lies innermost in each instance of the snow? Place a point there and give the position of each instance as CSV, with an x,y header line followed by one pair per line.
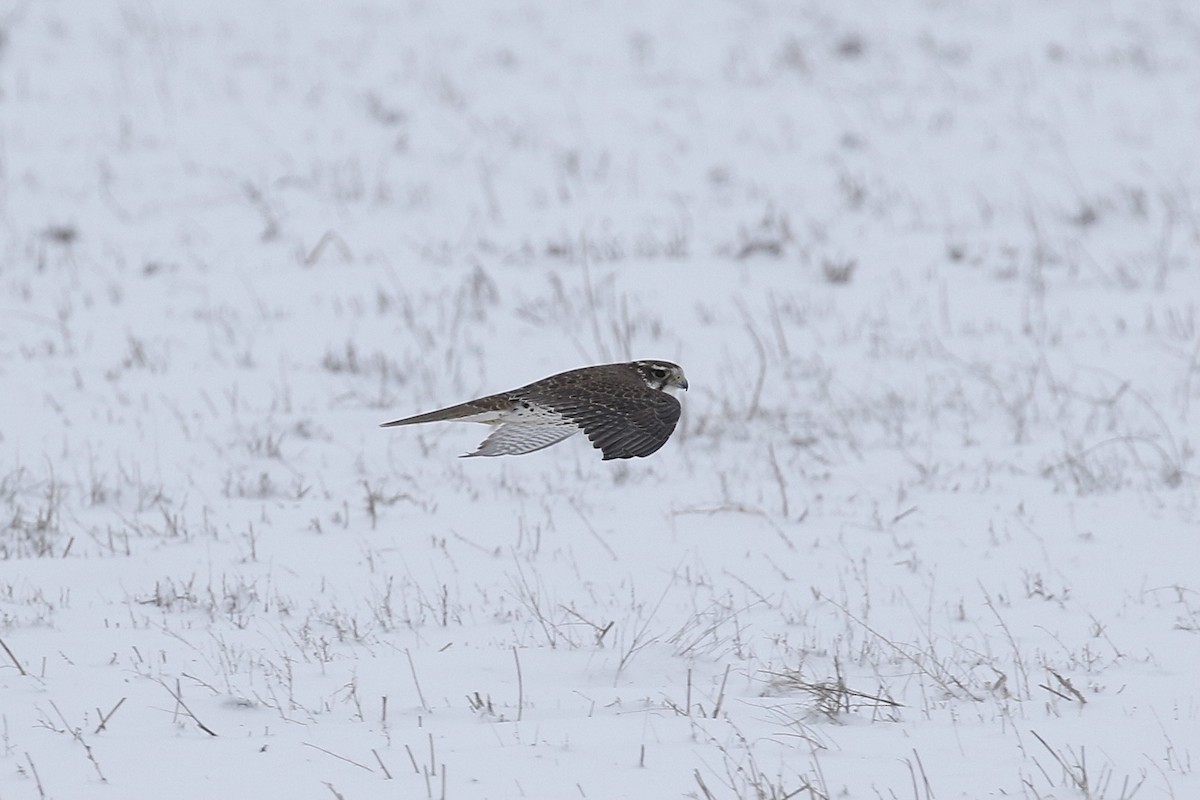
x,y
929,526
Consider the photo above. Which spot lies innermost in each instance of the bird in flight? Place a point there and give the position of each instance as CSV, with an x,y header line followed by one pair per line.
x,y
624,409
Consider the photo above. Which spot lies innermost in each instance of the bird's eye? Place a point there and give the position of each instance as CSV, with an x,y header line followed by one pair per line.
x,y
658,372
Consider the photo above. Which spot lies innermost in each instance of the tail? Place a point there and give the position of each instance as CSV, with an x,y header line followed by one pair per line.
x,y
466,412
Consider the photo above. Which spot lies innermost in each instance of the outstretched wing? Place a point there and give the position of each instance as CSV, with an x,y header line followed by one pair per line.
x,y
628,422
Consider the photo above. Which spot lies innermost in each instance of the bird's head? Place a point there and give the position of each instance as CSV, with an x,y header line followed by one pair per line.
x,y
661,375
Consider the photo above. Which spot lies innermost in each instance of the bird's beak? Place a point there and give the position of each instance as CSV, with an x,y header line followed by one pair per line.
x,y
682,383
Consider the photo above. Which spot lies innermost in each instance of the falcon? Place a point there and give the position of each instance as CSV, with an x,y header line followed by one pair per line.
x,y
624,409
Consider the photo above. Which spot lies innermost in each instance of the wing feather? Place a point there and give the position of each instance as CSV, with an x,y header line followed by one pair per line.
x,y
632,422
518,438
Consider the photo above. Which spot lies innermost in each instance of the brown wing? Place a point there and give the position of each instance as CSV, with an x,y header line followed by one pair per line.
x,y
619,413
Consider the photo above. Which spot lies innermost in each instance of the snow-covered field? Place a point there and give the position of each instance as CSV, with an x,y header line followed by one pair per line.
x,y
929,527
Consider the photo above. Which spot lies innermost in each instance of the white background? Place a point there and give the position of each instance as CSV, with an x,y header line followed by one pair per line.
x,y
929,525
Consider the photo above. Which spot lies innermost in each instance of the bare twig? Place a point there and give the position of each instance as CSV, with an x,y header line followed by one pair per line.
x,y
413,669
335,755
1018,661
721,693
15,660
520,684
1066,684
386,772
328,238
177,693
36,778
413,759
928,790
104,718
779,480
